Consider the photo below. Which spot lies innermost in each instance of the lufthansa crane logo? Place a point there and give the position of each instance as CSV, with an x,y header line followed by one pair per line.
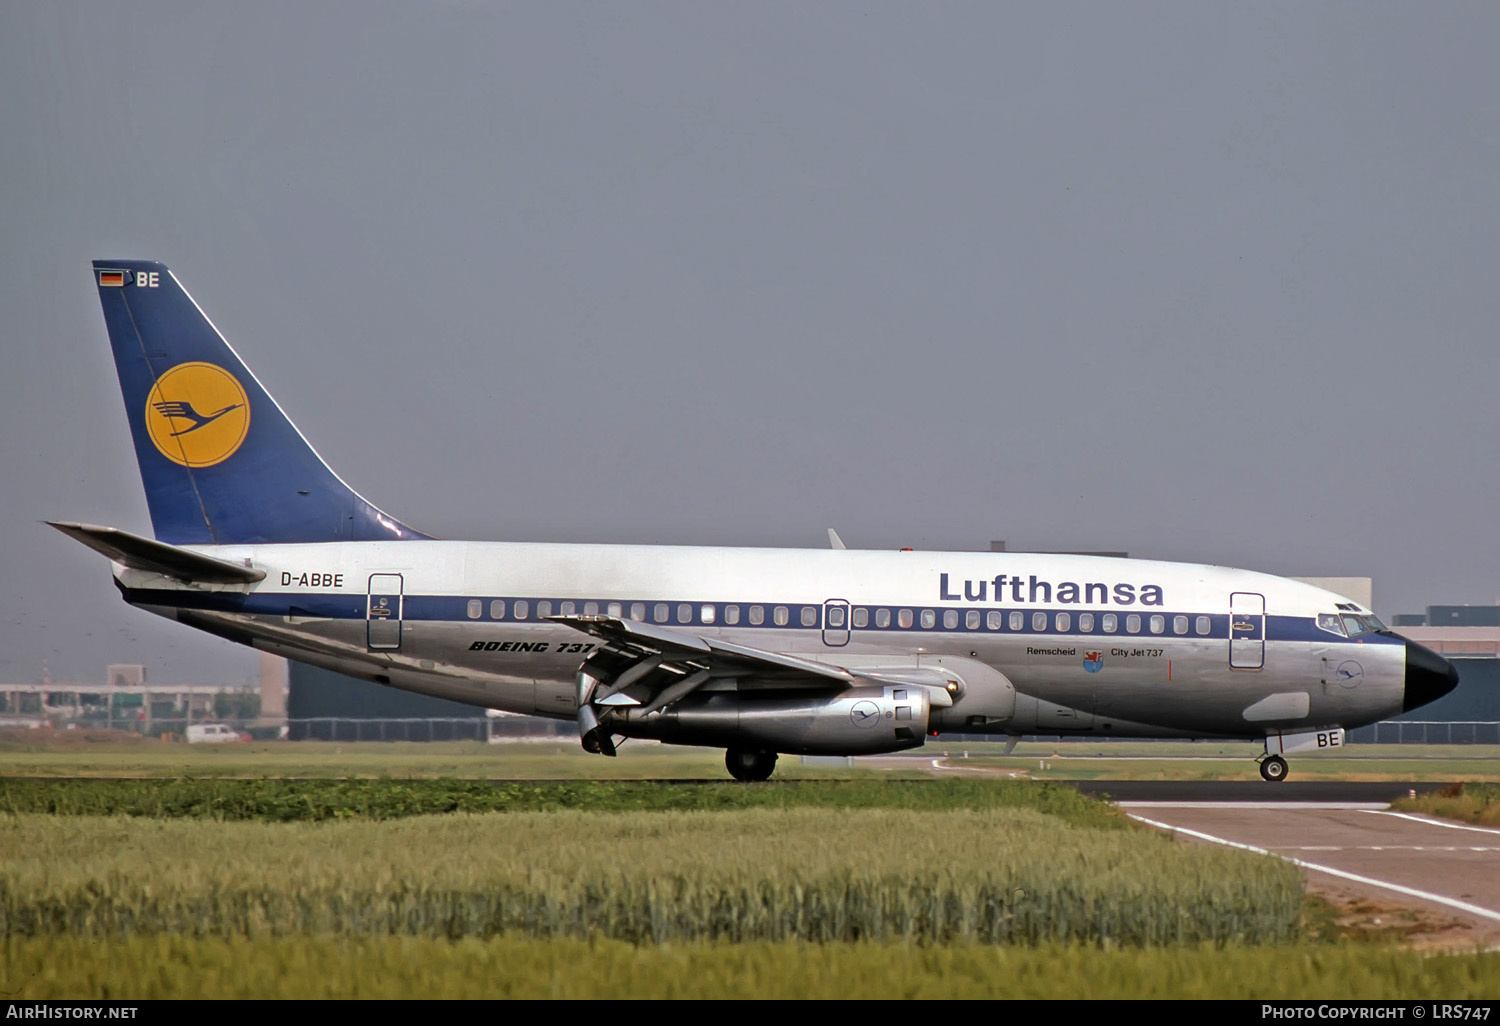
x,y
197,414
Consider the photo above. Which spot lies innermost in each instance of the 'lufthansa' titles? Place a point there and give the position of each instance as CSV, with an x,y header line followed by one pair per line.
x,y
1037,591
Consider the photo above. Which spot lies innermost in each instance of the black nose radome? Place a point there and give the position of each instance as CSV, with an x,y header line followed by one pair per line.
x,y
1428,676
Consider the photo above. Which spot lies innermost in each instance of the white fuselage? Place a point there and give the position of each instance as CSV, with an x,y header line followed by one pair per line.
x,y
1089,644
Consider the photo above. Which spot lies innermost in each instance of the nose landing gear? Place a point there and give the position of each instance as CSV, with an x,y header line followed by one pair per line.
x,y
1273,768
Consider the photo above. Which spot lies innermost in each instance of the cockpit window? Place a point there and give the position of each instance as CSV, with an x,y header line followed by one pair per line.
x,y
1330,622
1357,625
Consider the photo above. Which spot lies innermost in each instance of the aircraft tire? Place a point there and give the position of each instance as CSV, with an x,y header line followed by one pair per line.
x,y
1274,769
749,764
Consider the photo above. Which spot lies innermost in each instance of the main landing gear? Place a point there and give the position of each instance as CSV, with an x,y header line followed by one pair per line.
x,y
749,763
1273,768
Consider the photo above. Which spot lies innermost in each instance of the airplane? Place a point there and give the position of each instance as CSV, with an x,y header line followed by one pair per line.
x,y
757,651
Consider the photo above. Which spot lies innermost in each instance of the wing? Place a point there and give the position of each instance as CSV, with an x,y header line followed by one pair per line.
x,y
649,660
652,666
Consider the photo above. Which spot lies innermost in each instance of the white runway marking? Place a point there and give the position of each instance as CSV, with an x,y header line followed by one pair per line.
x,y
1463,906
1384,847
1359,806
1441,823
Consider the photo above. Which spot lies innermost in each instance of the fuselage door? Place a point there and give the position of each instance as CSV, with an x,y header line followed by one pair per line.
x,y
383,616
835,623
1247,630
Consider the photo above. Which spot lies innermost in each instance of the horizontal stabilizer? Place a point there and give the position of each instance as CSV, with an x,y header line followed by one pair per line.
x,y
158,557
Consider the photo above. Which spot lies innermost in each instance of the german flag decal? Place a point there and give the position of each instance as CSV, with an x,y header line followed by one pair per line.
x,y
116,278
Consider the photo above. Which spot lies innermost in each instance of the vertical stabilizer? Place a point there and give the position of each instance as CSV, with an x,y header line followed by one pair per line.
x,y
221,463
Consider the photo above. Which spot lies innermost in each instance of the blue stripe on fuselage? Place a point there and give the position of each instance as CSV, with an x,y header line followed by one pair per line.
x,y
454,609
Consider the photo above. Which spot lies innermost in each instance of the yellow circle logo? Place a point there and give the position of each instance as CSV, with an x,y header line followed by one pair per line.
x,y
197,414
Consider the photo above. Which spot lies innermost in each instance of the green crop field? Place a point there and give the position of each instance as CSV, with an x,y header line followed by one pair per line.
x,y
49,753
137,869
1001,875
173,966
316,800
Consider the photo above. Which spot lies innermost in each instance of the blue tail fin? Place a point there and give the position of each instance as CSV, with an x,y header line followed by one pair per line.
x,y
221,463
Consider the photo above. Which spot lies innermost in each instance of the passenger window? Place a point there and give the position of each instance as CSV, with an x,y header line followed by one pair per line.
x,y
757,615
638,611
836,617
1158,623
591,609
1017,620
929,619
861,617
1110,623
661,612
1086,622
497,609
684,613
475,606
780,615
567,609
1063,621
903,618
543,609
950,619
809,616
1202,625
882,618
992,619
1133,623
731,615
971,619
706,613
614,609
521,609
1179,625
1039,621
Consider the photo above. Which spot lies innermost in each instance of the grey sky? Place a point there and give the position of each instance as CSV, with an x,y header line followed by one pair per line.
x,y
1211,282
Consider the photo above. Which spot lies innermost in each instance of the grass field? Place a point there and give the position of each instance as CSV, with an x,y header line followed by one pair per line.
x,y
398,871
1002,875
1468,802
36,753
317,800
167,966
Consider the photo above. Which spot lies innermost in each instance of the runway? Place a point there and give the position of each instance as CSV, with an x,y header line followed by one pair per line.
x,y
1360,853
1382,792
1438,876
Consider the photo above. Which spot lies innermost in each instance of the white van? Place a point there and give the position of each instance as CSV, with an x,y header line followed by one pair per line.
x,y
211,733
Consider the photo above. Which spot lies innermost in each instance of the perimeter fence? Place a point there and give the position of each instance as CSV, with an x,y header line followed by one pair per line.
x,y
337,728
431,728
1428,732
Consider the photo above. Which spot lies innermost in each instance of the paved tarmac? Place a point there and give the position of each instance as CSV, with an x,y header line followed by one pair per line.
x,y
1338,791
1440,877
1361,853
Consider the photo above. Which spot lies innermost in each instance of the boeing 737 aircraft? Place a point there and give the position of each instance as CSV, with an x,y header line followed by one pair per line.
x,y
758,651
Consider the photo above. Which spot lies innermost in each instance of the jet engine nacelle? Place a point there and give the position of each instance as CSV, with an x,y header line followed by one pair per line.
x,y
859,721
